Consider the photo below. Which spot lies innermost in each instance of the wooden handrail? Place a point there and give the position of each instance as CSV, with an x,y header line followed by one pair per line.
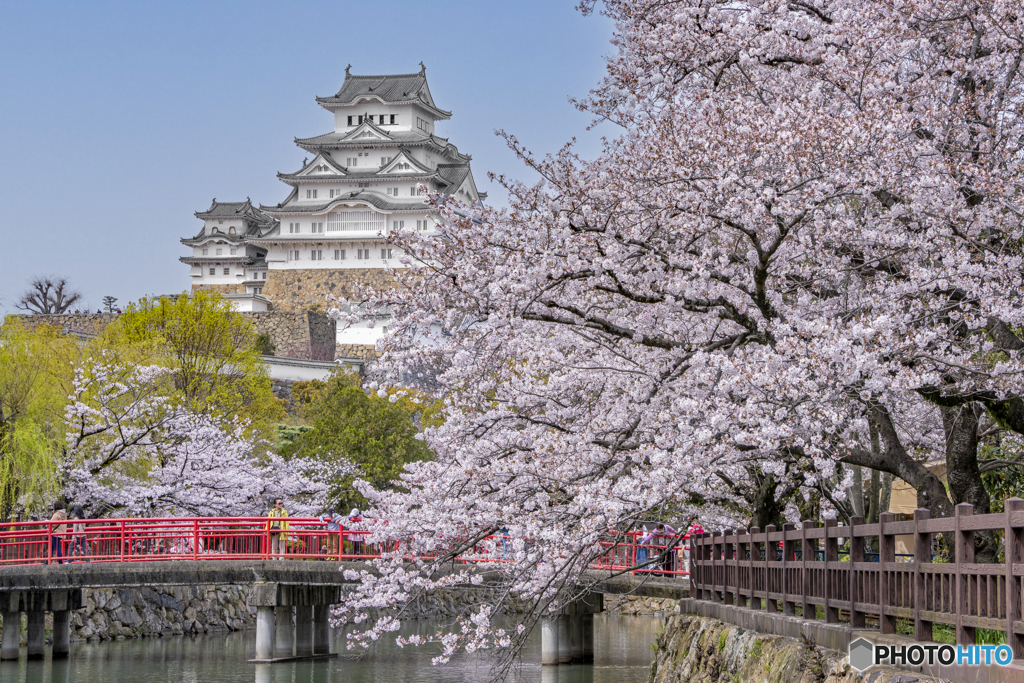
x,y
803,567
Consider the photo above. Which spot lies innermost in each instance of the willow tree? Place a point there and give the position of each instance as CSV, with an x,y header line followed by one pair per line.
x,y
36,374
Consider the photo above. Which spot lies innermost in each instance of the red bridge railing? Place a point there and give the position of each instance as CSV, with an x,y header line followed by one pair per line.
x,y
252,538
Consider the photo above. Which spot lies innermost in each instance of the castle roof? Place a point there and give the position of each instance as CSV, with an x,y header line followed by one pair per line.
x,y
389,89
232,210
374,199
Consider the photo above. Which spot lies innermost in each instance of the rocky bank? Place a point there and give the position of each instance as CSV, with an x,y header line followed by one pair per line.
x,y
695,649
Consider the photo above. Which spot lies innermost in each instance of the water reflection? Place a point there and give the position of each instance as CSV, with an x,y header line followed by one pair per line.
x,y
622,654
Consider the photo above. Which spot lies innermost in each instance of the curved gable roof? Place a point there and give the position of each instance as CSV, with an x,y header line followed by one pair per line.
x,y
390,89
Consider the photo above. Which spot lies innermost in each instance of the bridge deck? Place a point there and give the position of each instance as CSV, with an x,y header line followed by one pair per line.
x,y
284,572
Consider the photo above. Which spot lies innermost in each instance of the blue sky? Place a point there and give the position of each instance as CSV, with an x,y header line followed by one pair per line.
x,y
119,120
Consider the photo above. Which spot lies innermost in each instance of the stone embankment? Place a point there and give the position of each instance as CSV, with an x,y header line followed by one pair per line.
x,y
119,614
696,649
633,604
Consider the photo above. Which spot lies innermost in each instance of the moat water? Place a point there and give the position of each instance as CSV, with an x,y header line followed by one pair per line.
x,y
622,654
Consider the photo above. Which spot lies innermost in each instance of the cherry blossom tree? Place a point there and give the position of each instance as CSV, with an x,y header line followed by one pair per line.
x,y
807,230
132,448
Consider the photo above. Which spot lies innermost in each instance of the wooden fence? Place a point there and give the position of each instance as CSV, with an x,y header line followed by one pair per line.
x,y
732,567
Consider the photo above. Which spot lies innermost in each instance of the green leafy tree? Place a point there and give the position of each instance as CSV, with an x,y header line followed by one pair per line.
x,y
214,351
375,433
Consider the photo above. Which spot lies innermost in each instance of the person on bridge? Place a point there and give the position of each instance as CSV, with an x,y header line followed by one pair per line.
x,y
278,525
57,532
79,544
357,539
333,521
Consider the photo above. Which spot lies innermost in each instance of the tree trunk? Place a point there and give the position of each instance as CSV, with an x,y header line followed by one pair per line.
x,y
960,424
765,505
931,493
857,491
885,495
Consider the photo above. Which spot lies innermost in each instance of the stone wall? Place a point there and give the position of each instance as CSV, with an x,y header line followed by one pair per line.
x,y
221,289
635,604
119,614
85,323
298,334
295,334
110,614
367,352
294,290
693,648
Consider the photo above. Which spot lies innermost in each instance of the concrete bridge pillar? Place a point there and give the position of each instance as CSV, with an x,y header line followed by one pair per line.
x,y
278,635
10,642
284,640
265,632
303,630
61,633
549,640
322,629
568,636
36,634
587,638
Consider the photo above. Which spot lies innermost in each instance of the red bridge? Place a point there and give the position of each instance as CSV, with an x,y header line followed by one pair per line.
x,y
44,567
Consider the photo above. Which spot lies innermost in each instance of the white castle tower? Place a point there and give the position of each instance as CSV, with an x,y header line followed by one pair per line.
x,y
360,182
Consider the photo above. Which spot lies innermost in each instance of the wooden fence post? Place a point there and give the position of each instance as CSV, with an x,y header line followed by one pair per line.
x,y
964,554
856,556
1014,544
707,573
886,589
922,581
806,555
692,561
831,557
718,575
730,565
788,565
770,555
755,557
742,548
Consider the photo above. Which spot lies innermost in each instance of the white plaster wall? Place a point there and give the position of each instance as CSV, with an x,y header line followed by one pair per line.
x,y
277,256
248,305
237,272
212,247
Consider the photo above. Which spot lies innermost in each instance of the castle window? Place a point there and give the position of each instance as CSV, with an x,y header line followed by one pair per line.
x,y
363,184
392,119
316,255
339,254
412,192
350,120
363,253
213,271
205,251
264,275
293,254
219,252
227,271
231,230
385,253
397,225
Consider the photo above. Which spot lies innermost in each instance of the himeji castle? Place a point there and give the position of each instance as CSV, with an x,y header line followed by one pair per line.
x,y
359,182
